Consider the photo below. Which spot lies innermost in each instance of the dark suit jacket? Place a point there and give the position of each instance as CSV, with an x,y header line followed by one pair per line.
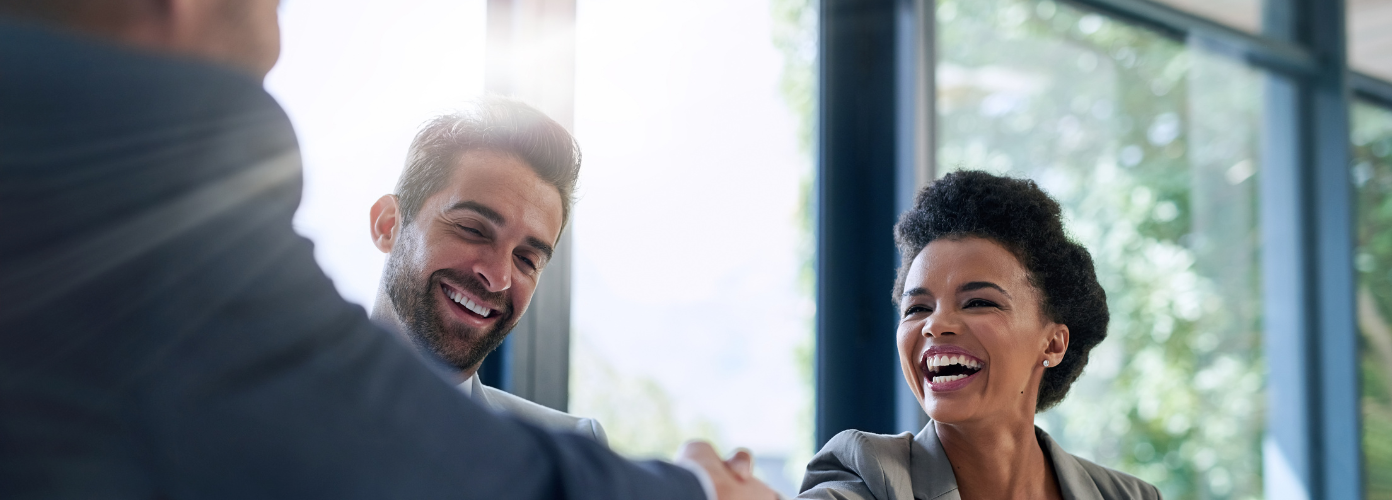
x,y
164,333
857,465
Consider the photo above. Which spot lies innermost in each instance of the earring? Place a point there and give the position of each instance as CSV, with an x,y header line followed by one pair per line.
x,y
1046,363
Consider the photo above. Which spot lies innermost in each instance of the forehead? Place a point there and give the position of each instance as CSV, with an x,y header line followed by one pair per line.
x,y
505,184
949,262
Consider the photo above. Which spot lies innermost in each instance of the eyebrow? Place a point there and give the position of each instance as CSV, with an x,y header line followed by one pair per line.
x,y
497,218
914,292
978,285
540,246
481,209
967,287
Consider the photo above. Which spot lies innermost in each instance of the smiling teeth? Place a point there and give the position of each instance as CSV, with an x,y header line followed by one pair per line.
x,y
468,304
947,378
942,360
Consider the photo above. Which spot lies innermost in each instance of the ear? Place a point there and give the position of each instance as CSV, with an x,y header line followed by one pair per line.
x,y
1055,344
385,222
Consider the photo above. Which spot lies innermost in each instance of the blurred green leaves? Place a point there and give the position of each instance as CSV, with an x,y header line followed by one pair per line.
x,y
1372,177
1152,148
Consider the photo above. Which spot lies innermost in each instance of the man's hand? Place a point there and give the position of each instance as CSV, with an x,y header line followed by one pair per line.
x,y
733,478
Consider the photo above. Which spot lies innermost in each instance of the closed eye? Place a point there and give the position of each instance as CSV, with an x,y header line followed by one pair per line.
x,y
470,230
979,303
915,309
528,262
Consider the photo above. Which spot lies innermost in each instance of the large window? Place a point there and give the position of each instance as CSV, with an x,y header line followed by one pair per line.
x,y
692,309
1152,148
1372,176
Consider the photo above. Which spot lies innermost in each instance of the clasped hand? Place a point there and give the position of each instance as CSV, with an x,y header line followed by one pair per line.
x,y
734,478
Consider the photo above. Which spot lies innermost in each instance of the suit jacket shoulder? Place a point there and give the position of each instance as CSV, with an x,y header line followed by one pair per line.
x,y
538,415
1080,475
858,465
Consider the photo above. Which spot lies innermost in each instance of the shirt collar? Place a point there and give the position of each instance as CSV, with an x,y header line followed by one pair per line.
x,y
468,385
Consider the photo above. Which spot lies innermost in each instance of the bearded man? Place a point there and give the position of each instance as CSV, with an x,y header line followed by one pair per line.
x,y
472,224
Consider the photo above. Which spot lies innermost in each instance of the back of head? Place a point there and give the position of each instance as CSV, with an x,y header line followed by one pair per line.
x,y
66,11
242,34
494,124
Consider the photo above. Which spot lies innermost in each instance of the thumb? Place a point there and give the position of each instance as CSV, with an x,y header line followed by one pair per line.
x,y
742,463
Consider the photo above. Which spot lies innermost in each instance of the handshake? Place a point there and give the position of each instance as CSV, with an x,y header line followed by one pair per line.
x,y
731,479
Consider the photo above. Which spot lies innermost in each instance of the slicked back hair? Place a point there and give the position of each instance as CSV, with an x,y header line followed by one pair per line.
x,y
495,124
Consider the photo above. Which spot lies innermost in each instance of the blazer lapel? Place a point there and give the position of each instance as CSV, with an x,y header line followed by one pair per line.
x,y
932,474
1074,482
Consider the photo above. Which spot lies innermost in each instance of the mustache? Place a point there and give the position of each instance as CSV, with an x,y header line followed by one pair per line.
x,y
497,301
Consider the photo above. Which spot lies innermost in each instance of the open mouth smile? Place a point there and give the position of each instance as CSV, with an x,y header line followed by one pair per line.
x,y
465,302
949,368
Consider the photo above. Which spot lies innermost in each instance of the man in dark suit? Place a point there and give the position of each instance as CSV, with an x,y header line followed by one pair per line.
x,y
164,333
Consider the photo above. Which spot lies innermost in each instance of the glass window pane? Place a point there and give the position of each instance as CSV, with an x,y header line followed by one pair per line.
x,y
1242,14
1370,37
692,300
357,78
1152,149
1372,177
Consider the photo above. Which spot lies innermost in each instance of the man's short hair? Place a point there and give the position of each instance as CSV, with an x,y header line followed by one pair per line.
x,y
495,124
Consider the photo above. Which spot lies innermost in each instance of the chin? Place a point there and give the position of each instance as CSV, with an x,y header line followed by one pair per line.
x,y
947,413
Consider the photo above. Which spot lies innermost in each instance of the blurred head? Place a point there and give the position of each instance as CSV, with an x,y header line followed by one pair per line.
x,y
475,218
243,34
991,289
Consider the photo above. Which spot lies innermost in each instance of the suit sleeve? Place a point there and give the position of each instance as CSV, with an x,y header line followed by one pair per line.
x,y
841,469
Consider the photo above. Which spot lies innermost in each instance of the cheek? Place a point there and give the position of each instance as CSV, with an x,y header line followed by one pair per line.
x,y
1008,347
908,340
521,297
440,251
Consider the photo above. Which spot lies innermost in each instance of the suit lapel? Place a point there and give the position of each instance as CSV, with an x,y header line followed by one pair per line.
x,y
932,474
1074,482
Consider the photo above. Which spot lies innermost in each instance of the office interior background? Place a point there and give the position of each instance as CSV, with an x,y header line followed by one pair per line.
x,y
726,274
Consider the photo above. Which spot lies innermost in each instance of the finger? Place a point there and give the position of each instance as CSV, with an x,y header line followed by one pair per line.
x,y
701,453
742,463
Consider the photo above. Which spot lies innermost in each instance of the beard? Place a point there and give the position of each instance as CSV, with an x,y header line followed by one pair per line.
x,y
461,346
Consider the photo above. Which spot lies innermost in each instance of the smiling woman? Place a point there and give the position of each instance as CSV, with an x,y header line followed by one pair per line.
x,y
999,313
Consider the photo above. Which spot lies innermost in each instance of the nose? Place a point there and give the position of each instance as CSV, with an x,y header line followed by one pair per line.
x,y
940,323
495,271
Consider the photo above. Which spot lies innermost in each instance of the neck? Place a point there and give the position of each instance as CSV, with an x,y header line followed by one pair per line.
x,y
998,461
468,372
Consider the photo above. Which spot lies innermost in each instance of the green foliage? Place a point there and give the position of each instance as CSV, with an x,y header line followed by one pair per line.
x,y
1372,175
1151,147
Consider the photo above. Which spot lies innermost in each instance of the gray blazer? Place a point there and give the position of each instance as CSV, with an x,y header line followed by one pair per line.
x,y
535,414
857,465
